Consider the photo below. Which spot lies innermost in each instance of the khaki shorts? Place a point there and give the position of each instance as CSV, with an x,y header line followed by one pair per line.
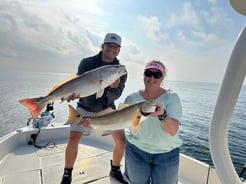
x,y
76,128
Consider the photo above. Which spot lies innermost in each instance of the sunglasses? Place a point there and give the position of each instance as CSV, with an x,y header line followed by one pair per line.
x,y
156,75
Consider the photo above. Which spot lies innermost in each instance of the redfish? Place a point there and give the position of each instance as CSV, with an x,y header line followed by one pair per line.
x,y
109,120
89,83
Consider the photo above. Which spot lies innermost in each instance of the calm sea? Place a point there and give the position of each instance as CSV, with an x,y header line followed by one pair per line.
x,y
198,101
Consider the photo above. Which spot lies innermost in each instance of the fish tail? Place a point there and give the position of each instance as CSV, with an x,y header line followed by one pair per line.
x,y
32,105
73,114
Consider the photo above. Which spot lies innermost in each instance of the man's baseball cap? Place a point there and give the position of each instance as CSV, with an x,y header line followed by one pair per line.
x,y
112,38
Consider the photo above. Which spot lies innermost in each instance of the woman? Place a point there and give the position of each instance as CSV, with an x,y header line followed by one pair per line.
x,y
152,154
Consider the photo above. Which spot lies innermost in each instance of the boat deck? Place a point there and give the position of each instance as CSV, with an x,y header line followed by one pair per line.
x,y
25,164
30,165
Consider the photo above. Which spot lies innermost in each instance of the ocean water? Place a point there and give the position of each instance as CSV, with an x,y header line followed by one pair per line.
x,y
198,101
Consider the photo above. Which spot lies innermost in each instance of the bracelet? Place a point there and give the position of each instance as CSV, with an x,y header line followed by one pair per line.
x,y
163,116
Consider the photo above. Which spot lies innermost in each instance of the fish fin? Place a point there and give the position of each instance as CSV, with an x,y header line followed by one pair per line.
x,y
69,78
136,123
137,119
67,123
101,132
122,105
32,105
73,115
104,112
99,93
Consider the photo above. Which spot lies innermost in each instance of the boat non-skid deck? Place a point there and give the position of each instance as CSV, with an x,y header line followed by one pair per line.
x,y
30,165
25,164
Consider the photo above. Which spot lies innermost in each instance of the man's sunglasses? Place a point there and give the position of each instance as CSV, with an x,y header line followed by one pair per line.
x,y
156,75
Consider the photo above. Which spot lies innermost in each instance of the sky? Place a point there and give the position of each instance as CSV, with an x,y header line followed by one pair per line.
x,y
193,38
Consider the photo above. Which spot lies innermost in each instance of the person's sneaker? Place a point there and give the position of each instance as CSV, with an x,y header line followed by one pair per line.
x,y
66,179
115,172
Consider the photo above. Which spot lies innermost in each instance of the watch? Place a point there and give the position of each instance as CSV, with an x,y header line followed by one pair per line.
x,y
163,116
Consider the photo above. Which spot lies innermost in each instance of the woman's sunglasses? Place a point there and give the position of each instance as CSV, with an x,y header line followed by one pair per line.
x,y
156,75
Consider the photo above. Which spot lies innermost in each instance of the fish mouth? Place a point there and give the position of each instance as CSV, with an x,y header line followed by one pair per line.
x,y
148,107
124,72
124,67
145,113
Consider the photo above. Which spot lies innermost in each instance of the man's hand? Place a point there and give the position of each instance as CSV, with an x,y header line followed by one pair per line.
x,y
85,123
115,84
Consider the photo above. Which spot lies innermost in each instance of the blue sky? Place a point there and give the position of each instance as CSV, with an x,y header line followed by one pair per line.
x,y
193,38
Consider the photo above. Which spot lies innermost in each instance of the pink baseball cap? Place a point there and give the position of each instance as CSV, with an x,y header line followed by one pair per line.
x,y
153,64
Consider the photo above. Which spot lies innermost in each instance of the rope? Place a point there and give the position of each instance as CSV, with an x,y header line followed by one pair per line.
x,y
209,168
34,137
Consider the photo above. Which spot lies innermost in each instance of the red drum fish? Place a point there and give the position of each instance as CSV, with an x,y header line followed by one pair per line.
x,y
109,120
89,83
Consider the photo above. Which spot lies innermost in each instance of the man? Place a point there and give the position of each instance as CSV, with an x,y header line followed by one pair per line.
x,y
89,105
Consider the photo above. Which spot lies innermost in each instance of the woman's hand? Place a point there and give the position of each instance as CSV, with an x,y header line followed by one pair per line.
x,y
159,110
170,125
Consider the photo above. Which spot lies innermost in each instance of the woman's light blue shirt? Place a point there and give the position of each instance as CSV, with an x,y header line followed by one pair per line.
x,y
151,136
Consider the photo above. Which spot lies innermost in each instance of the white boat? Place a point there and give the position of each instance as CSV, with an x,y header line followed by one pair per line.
x,y
23,162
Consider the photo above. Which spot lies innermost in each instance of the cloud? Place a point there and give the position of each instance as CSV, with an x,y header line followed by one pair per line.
x,y
53,35
133,58
213,2
29,33
217,20
152,27
187,17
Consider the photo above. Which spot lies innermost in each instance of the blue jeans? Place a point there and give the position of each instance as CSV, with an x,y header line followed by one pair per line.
x,y
144,168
